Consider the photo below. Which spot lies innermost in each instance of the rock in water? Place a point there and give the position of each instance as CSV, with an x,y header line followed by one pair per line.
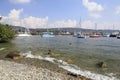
x,y
52,54
14,55
101,65
49,52
69,61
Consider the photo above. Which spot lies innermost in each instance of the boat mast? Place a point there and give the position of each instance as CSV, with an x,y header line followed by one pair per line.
x,y
80,23
95,28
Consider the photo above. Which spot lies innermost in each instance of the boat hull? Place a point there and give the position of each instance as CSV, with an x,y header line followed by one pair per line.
x,y
118,37
80,36
95,36
47,35
23,35
113,35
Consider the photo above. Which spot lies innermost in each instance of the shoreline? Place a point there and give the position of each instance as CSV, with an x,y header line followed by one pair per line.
x,y
16,71
49,68
57,66
36,63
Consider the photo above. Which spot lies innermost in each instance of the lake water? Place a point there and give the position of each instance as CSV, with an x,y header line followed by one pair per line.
x,y
85,53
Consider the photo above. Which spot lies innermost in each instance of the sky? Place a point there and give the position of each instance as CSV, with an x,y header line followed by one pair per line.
x,y
61,13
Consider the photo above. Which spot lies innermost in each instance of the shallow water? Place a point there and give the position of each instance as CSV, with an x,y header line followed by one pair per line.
x,y
84,52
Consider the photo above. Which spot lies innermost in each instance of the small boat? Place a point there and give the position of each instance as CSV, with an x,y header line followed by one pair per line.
x,y
74,34
95,36
106,35
118,37
80,35
47,35
24,33
113,35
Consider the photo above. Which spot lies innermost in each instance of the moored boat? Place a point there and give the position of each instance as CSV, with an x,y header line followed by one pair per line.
x,y
95,36
107,35
80,35
24,33
47,35
118,37
114,34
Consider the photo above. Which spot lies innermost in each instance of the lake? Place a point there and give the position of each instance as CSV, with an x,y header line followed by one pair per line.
x,y
85,53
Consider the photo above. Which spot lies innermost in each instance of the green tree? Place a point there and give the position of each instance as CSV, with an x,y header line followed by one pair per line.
x,y
6,33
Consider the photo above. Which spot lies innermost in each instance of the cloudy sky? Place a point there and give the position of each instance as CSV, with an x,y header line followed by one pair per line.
x,y
61,13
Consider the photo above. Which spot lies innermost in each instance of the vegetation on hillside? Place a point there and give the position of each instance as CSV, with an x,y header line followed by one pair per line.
x,y
6,33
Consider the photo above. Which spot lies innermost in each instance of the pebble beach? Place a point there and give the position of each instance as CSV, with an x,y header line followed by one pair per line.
x,y
15,71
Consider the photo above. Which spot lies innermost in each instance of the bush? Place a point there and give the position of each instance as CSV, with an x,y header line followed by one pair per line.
x,y
6,33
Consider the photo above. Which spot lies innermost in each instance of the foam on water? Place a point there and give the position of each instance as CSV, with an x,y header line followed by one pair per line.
x,y
2,49
88,74
71,68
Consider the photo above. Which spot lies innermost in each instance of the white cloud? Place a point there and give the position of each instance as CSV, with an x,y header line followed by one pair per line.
x,y
20,1
118,10
88,24
94,8
13,18
62,23
34,22
110,25
95,15
15,14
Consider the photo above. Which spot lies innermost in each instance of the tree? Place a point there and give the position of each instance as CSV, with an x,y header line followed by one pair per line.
x,y
6,33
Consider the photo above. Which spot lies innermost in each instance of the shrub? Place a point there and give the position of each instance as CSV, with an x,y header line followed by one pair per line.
x,y
6,33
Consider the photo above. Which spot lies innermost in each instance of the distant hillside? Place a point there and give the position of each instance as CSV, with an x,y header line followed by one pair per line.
x,y
74,30
17,28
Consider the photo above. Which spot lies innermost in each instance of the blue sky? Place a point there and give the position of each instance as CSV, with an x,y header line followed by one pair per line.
x,y
61,13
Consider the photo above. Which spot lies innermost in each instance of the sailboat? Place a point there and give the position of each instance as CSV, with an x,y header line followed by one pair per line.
x,y
118,36
24,33
47,34
114,34
95,35
79,34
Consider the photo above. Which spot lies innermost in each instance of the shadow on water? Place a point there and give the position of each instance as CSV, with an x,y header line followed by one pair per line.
x,y
8,47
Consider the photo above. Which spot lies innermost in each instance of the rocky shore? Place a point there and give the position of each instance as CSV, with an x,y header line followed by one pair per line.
x,y
15,67
10,70
18,67
15,71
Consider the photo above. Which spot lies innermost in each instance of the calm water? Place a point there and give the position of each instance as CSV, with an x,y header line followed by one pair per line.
x,y
84,52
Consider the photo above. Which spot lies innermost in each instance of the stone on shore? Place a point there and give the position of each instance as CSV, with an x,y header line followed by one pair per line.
x,y
14,55
78,76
